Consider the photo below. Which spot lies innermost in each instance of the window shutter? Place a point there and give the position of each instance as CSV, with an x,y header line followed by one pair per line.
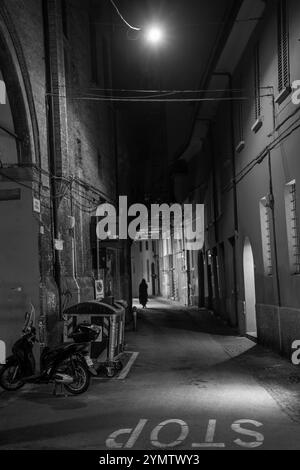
x,y
257,83
283,47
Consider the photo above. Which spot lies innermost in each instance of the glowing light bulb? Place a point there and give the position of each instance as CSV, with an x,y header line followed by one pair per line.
x,y
154,34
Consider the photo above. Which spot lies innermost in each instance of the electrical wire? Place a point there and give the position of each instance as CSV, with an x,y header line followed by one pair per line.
x,y
141,90
64,195
262,155
186,25
126,90
148,100
158,95
122,17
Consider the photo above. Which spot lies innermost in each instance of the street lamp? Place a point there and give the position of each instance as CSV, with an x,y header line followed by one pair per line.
x,y
154,35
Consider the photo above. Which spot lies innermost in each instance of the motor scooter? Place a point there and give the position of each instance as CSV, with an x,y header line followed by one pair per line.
x,y
64,365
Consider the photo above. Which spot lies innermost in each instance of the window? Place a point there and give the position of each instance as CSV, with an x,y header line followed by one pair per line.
x,y
64,17
8,144
93,51
148,271
106,66
141,247
240,122
257,83
292,227
100,165
147,246
283,47
265,221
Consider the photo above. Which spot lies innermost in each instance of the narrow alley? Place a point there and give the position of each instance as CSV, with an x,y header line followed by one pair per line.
x,y
192,383
149,228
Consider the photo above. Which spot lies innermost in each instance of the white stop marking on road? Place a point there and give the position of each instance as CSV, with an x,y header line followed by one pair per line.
x,y
183,434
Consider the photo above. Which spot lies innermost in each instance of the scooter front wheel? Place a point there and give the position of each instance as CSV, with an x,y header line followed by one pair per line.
x,y
81,379
10,379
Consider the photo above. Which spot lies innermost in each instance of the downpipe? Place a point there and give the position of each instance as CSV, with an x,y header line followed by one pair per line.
x,y
51,146
235,199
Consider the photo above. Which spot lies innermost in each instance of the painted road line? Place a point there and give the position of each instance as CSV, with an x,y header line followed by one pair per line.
x,y
128,366
184,431
208,446
210,437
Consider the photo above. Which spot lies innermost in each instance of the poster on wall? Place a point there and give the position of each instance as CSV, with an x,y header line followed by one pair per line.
x,y
99,289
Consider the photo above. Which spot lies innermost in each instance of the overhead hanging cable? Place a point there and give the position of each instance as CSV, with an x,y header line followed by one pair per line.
x,y
148,100
122,17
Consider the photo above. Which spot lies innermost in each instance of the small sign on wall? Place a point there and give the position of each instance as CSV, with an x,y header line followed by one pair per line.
x,y
2,352
36,205
59,245
99,289
2,92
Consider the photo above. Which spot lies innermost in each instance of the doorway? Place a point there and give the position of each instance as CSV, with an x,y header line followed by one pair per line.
x,y
250,295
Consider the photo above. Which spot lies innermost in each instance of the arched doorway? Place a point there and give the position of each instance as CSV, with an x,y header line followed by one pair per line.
x,y
250,294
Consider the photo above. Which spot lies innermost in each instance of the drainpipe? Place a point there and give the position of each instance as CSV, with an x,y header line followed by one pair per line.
x,y
272,208
51,146
72,232
234,185
215,200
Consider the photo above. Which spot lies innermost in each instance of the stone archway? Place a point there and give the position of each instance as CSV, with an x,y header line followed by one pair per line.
x,y
16,77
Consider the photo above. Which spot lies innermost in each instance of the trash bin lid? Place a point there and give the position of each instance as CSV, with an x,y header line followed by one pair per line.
x,y
122,302
93,308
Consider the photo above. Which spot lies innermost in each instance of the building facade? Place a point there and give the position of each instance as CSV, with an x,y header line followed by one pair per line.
x,y
249,268
58,163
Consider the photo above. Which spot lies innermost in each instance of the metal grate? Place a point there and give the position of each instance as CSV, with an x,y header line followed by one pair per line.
x,y
266,237
283,47
294,229
269,266
240,118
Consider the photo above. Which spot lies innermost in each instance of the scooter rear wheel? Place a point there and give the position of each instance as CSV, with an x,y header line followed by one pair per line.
x,y
10,379
81,377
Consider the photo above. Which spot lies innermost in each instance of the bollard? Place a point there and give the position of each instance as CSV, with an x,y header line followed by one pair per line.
x,y
134,313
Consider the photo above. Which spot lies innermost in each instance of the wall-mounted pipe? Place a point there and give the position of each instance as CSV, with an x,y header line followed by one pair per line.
x,y
51,145
234,188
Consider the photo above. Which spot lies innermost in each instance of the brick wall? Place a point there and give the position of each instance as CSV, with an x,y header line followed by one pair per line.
x,y
83,145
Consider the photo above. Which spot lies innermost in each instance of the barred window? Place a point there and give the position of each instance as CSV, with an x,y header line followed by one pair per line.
x,y
283,47
265,221
257,83
94,51
240,121
292,227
